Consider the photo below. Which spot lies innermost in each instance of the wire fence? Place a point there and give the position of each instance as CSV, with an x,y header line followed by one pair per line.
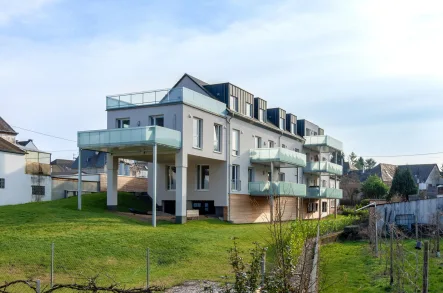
x,y
45,266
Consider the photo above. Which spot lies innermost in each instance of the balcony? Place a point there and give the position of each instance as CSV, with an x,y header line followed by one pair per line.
x,y
165,96
323,143
323,167
278,188
280,156
322,192
129,138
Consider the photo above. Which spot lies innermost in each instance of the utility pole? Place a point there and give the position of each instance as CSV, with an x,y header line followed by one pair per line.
x,y
391,270
426,268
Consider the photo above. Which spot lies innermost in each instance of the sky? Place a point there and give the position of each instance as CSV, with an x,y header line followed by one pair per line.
x,y
368,72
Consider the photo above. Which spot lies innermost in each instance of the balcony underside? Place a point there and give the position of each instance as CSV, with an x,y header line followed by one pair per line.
x,y
318,168
280,157
323,143
277,188
322,192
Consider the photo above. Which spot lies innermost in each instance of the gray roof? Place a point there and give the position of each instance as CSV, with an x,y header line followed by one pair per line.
x,y
6,128
91,159
421,171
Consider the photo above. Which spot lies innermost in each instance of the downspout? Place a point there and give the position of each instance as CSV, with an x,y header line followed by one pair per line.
x,y
228,161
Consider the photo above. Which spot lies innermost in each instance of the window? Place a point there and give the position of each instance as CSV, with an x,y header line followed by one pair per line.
x,y
217,137
158,120
123,123
281,176
235,142
121,168
171,177
249,109
127,170
197,125
312,207
315,133
323,183
293,128
283,146
271,144
250,175
203,177
257,142
234,103
281,125
324,207
269,176
308,132
38,190
296,175
235,175
296,150
2,183
261,115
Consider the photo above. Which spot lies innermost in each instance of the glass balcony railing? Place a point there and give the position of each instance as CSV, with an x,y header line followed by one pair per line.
x,y
134,136
322,192
282,155
278,188
323,140
165,96
323,167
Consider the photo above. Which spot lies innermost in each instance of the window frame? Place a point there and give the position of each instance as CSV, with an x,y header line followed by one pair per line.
x,y
235,151
170,181
271,144
261,115
324,206
293,128
257,142
119,123
251,175
281,123
199,136
36,188
218,136
250,109
233,103
2,183
199,178
281,176
235,176
153,120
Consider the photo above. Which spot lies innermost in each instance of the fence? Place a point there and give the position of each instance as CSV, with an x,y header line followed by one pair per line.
x,y
76,266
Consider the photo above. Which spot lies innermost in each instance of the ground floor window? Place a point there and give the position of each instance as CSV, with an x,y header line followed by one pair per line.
x,y
312,207
203,177
2,183
324,207
171,172
204,207
235,178
38,190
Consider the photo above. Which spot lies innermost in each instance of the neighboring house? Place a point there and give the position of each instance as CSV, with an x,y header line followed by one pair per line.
x,y
426,175
62,167
24,170
219,149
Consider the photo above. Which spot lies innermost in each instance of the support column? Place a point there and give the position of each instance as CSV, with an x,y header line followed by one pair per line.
x,y
112,172
79,181
154,187
271,189
181,165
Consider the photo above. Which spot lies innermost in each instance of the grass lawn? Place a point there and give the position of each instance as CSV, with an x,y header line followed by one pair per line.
x,y
95,241
349,267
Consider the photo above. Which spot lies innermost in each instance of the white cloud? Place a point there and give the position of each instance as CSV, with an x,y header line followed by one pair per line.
x,y
10,10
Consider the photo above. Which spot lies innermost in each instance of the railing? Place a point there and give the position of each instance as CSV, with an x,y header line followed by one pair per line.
x,y
129,136
283,155
324,166
165,96
323,140
235,185
322,192
278,188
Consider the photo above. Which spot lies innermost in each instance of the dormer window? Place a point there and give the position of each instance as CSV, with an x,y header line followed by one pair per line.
x,y
248,110
282,124
293,128
233,105
261,115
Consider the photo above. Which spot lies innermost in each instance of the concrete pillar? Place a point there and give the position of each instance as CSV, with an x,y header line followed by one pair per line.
x,y
271,189
154,187
112,172
79,181
181,165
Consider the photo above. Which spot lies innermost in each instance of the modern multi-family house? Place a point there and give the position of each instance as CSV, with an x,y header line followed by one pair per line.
x,y
219,149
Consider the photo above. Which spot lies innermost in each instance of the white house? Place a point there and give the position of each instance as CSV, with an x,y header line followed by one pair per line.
x,y
24,170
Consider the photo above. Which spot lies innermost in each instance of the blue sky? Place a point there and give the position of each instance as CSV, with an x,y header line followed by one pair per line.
x,y
369,72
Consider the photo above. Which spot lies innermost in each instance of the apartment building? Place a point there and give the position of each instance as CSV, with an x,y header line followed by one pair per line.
x,y
220,149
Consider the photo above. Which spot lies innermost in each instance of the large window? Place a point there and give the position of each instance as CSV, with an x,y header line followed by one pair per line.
x,y
171,177
249,109
197,125
234,103
123,123
261,115
203,177
38,190
281,124
257,142
293,128
235,178
217,137
158,120
235,142
2,183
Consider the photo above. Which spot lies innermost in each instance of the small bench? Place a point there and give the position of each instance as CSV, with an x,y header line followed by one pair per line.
x,y
192,214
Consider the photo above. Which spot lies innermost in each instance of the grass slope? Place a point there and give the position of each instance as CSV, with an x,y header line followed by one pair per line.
x,y
349,267
94,241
